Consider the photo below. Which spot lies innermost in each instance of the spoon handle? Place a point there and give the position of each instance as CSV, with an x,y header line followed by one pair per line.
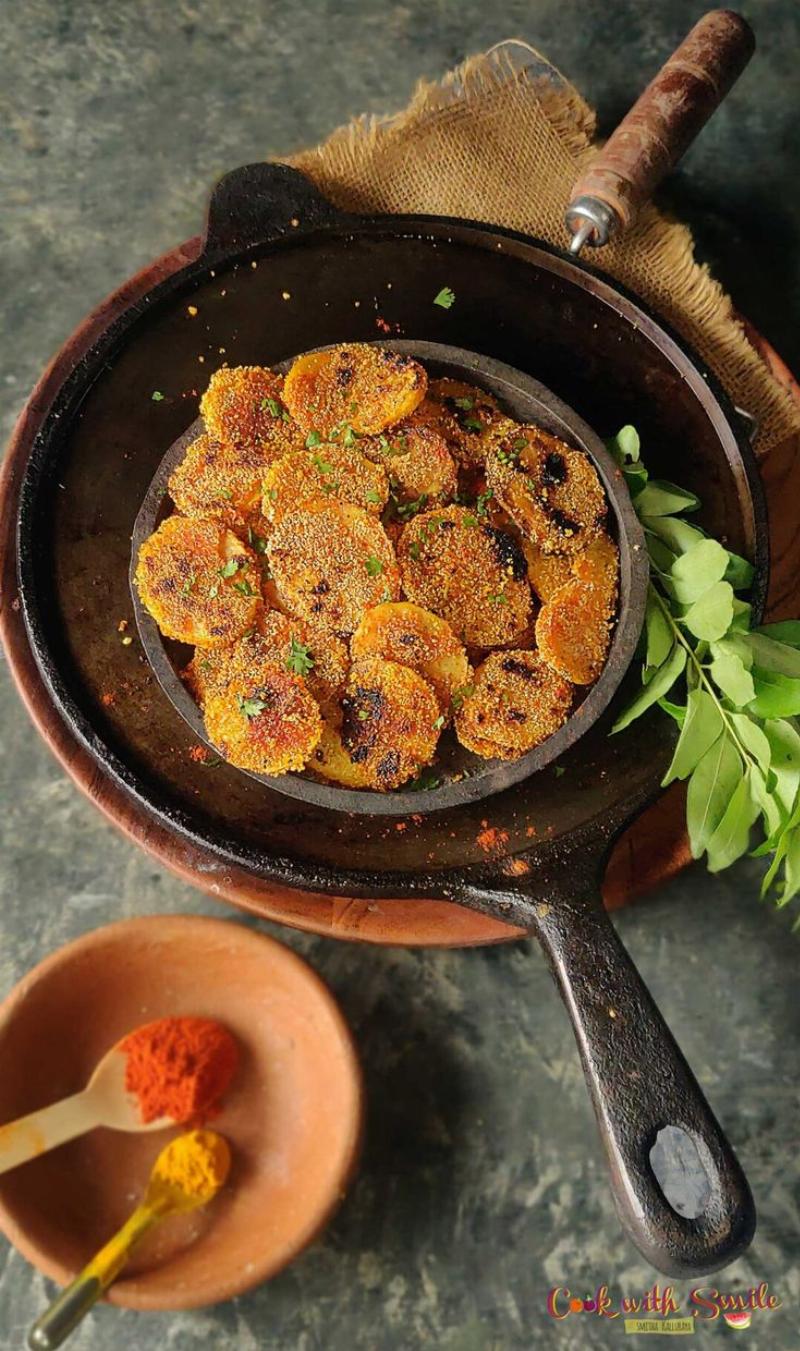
x,y
74,1302
34,1134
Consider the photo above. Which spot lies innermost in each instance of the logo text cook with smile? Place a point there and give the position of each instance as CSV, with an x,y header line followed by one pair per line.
x,y
704,1302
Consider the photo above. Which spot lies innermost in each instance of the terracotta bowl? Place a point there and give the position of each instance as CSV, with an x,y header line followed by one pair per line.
x,y
293,1116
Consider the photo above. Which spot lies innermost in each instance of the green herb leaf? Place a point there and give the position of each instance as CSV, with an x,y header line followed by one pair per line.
x,y
466,403
702,726
785,631
662,681
252,707
784,746
774,656
711,787
732,836
703,564
439,723
189,583
660,498
625,446
299,659
371,496
313,439
710,616
445,298
273,406
774,695
156,396
660,637
230,568
730,674
424,782
374,566
678,535
256,542
324,466
245,587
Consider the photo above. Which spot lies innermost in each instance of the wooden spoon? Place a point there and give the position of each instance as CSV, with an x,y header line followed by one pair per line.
x,y
165,1196
104,1102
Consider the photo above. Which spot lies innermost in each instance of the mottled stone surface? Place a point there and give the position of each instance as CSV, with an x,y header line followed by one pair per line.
x,y
482,1183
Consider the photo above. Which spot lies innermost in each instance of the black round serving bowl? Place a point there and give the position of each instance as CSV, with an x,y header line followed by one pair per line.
x,y
461,775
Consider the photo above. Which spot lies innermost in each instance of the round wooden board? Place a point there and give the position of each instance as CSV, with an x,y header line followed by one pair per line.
x,y
652,850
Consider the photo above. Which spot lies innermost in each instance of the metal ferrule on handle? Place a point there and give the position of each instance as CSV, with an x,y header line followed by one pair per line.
x,y
659,128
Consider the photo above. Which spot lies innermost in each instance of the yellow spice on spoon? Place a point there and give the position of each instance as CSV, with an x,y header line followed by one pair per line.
x,y
187,1174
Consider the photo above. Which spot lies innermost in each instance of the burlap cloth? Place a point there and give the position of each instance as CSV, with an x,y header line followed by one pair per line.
x,y
502,139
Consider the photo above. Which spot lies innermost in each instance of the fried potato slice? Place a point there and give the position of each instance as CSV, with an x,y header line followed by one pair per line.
x,y
294,645
417,461
469,419
356,385
243,407
267,722
598,564
390,721
213,482
473,575
330,562
573,630
413,637
547,572
198,581
331,761
337,472
552,492
515,702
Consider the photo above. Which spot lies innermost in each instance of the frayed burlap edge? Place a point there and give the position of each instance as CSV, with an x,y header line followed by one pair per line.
x,y
501,139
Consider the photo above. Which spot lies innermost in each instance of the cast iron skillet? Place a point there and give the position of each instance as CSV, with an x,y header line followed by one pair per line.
x,y
464,777
280,272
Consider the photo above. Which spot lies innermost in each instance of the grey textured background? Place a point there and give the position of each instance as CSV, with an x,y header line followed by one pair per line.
x,y
481,1184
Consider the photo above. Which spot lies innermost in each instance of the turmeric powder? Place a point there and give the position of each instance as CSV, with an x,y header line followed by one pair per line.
x,y
188,1172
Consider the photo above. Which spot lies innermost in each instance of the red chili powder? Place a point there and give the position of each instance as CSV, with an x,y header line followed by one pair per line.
x,y
179,1067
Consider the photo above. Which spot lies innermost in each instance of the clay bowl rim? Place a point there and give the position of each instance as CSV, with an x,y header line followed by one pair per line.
x,y
129,1294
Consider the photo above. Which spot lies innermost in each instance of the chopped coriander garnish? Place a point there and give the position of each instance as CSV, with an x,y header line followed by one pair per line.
x,y
272,494
466,403
507,456
230,568
405,510
324,466
472,424
483,498
374,566
520,443
255,541
245,587
469,519
156,396
462,693
372,496
189,583
439,723
252,707
424,781
213,591
558,770
499,598
445,298
299,659
414,551
226,494
363,714
313,439
273,406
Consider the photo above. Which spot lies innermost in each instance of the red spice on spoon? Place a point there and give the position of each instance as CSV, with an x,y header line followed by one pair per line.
x,y
179,1067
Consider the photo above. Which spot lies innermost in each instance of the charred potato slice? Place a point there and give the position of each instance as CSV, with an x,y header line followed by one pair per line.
x,y
198,581
330,562
470,420
267,722
354,385
337,472
573,630
515,702
331,761
417,461
213,482
473,575
243,407
390,721
413,637
294,645
551,491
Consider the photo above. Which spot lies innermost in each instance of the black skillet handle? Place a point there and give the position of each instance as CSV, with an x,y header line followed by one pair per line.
x,y
261,202
639,1083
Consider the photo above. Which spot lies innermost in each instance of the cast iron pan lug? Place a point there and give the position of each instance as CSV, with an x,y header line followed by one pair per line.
x,y
259,203
638,1079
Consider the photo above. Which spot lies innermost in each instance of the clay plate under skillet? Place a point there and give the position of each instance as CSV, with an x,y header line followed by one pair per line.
x,y
293,1116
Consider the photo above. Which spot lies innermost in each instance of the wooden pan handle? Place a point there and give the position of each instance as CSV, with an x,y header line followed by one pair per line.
x,y
664,121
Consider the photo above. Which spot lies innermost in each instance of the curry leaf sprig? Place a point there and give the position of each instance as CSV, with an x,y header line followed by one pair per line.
x,y
739,741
